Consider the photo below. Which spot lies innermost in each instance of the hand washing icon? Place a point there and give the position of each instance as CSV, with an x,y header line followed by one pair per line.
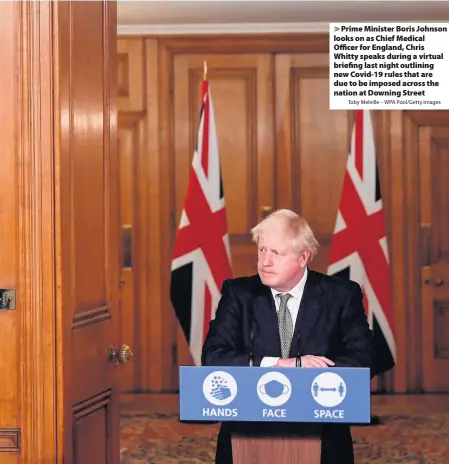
x,y
274,389
220,388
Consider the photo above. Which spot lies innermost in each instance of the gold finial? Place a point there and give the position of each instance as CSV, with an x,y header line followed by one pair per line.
x,y
205,70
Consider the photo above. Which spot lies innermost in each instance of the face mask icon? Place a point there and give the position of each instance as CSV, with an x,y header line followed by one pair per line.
x,y
274,389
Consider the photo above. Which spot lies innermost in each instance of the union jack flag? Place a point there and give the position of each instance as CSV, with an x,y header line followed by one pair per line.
x,y
359,249
201,256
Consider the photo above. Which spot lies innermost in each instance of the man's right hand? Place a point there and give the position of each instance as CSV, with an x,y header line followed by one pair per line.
x,y
315,361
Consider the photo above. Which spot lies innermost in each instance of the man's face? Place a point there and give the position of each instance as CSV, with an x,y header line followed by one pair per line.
x,y
279,266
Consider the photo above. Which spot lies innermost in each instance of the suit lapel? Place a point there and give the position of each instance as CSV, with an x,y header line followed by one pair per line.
x,y
309,313
266,318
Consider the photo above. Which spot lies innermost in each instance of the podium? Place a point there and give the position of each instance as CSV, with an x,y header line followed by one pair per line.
x,y
275,414
300,444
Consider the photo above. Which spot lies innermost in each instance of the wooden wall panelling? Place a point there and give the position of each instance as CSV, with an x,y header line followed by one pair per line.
x,y
393,123
312,145
382,141
241,87
300,80
435,314
427,158
208,48
134,250
11,238
26,191
433,157
381,123
146,315
425,139
411,213
133,246
133,192
163,368
40,379
131,74
245,43
159,350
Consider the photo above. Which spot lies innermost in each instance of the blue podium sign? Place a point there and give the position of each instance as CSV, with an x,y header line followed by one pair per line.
x,y
275,394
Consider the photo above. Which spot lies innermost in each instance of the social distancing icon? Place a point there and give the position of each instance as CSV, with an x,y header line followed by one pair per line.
x,y
328,389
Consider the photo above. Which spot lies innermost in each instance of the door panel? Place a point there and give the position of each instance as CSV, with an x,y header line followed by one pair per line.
x,y
87,224
433,150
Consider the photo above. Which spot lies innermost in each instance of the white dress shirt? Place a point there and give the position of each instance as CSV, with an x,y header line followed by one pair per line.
x,y
293,306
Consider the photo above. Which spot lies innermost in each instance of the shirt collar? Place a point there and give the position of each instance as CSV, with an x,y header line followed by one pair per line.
x,y
297,290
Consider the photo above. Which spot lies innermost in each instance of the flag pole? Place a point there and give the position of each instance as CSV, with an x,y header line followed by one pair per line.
x,y
205,70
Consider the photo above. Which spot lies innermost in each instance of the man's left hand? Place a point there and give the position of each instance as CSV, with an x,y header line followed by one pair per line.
x,y
286,362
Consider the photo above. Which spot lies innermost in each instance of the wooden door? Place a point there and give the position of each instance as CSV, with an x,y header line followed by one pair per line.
x,y
242,96
432,142
86,207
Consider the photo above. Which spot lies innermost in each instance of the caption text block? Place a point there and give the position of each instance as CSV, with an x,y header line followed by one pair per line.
x,y
389,66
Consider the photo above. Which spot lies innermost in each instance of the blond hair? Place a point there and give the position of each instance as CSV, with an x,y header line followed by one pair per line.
x,y
303,238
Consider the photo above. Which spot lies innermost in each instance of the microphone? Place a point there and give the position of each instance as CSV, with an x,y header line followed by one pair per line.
x,y
251,362
298,354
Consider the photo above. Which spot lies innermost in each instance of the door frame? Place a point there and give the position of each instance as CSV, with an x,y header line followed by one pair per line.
x,y
40,351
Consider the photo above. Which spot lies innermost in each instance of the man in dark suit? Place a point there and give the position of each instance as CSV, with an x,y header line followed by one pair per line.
x,y
289,316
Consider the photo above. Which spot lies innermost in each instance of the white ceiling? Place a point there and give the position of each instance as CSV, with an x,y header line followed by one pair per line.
x,y
205,16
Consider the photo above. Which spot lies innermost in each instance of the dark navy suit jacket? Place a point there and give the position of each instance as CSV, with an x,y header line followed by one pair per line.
x,y
331,322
